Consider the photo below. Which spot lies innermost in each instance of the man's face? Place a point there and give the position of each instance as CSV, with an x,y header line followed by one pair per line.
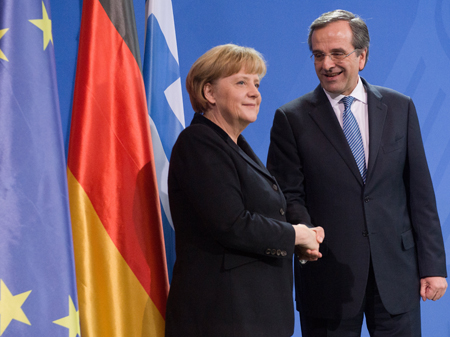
x,y
338,77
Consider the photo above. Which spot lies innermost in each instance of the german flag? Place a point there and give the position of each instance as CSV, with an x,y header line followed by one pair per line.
x,y
116,217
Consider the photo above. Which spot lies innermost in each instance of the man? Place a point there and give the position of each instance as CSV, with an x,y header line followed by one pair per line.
x,y
359,171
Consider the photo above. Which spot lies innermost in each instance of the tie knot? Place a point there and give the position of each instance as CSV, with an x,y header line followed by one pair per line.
x,y
347,100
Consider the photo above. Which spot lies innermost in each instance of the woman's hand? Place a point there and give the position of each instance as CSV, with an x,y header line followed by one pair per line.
x,y
307,241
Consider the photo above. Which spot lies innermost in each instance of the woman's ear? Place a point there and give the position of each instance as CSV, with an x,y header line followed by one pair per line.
x,y
208,92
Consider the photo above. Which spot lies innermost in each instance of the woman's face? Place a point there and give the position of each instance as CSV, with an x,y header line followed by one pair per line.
x,y
235,98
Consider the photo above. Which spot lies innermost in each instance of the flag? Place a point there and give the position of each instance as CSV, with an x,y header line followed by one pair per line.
x,y
164,101
37,272
116,217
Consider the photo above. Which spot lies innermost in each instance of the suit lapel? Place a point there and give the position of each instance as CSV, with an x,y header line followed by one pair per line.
x,y
246,152
243,149
325,118
377,117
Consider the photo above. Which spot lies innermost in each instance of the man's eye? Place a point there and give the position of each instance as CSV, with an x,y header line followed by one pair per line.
x,y
337,55
319,56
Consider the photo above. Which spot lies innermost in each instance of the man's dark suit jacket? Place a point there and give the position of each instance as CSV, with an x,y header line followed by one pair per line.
x,y
392,220
233,273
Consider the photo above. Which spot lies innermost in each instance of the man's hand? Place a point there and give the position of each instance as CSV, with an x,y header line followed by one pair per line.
x,y
432,288
307,254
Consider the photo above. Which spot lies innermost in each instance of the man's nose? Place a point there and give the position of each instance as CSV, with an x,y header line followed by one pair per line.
x,y
328,63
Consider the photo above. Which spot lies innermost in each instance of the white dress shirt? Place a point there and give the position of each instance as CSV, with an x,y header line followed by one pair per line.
x,y
359,109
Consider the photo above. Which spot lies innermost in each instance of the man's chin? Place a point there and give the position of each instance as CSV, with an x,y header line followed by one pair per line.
x,y
332,88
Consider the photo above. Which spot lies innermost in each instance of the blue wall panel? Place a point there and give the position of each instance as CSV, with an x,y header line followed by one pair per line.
x,y
410,52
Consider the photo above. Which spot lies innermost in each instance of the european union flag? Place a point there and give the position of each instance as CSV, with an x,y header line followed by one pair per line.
x,y
37,277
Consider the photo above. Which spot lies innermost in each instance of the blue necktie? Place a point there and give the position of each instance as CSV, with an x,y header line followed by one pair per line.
x,y
353,135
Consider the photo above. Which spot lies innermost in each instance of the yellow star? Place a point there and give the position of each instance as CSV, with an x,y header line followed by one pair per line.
x,y
3,32
10,307
71,322
45,24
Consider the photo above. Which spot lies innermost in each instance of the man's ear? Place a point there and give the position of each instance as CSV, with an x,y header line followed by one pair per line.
x,y
362,59
208,92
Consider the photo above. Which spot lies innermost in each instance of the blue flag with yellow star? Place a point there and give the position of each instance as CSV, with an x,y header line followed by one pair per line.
x,y
37,274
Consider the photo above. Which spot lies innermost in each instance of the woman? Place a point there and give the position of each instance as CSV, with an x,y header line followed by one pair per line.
x,y
233,273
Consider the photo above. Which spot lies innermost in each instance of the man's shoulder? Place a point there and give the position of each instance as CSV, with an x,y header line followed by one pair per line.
x,y
385,93
303,102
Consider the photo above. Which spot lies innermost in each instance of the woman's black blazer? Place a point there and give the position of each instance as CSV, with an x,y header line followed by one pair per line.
x,y
233,272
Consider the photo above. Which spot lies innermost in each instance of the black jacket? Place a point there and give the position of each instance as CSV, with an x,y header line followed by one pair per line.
x,y
233,273
392,220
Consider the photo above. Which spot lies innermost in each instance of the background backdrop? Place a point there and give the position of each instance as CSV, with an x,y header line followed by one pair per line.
x,y
409,52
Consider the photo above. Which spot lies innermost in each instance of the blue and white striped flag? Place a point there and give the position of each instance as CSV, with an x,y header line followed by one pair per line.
x,y
164,101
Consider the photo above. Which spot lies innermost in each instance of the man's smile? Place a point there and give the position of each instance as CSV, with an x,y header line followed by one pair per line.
x,y
333,74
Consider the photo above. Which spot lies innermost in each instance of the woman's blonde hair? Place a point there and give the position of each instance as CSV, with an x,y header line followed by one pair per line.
x,y
218,62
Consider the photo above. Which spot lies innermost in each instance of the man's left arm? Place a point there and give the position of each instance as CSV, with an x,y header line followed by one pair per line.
x,y
424,216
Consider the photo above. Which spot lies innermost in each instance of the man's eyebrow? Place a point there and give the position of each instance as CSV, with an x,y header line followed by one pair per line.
x,y
339,50
334,50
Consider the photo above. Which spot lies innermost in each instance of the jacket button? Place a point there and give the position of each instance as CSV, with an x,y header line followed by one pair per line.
x,y
283,253
275,187
365,234
278,252
268,251
281,211
366,200
274,251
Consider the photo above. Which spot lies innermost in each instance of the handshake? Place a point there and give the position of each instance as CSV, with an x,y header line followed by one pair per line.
x,y
307,242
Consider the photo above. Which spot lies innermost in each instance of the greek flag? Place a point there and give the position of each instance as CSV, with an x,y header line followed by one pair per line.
x,y
165,106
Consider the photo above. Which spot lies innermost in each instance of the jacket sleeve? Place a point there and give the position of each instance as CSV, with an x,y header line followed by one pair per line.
x,y
285,164
422,203
204,175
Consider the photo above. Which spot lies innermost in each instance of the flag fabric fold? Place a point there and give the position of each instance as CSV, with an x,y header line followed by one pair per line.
x,y
118,239
165,106
37,272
